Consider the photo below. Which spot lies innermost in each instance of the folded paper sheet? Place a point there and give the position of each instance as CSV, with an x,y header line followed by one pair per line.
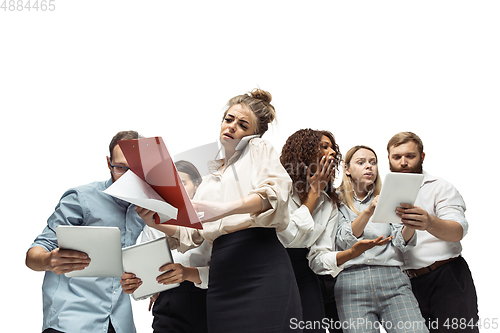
x,y
133,189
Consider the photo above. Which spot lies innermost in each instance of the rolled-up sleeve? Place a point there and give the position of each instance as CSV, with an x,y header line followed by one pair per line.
x,y
272,183
185,239
345,237
399,242
301,224
449,205
69,211
203,272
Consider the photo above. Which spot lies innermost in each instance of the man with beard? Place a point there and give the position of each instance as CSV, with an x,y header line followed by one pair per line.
x,y
440,277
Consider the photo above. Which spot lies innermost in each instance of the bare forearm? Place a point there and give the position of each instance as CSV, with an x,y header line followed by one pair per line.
x,y
57,261
167,229
251,204
359,247
359,224
345,256
407,233
193,275
36,259
446,230
420,219
213,211
311,199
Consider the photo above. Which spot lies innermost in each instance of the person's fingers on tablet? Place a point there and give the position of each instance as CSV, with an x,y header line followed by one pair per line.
x,y
130,283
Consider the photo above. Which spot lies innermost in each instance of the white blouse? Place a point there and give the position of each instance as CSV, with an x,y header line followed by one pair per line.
x,y
316,232
254,168
304,229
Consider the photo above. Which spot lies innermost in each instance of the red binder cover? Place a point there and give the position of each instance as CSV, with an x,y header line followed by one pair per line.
x,y
149,159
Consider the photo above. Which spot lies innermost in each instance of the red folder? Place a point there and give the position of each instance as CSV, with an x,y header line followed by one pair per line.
x,y
149,159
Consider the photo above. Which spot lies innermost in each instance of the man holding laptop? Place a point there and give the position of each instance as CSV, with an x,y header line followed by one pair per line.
x,y
86,304
440,277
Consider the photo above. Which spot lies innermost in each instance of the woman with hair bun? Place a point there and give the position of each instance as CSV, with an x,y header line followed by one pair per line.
x,y
244,202
311,158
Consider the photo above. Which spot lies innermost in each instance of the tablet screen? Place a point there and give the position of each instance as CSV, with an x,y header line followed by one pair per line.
x,y
397,188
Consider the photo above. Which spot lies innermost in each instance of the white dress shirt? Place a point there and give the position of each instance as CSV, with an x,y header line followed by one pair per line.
x,y
198,258
441,199
316,232
254,169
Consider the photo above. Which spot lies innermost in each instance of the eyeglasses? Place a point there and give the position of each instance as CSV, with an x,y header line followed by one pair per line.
x,y
119,169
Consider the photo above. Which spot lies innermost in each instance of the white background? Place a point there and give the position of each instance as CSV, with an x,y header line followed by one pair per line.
x,y
365,70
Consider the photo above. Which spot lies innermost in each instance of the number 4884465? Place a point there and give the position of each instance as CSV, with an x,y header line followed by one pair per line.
x,y
28,5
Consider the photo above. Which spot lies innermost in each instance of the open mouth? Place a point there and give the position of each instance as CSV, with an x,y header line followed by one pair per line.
x,y
227,135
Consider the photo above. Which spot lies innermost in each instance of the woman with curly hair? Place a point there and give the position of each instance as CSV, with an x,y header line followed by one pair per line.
x,y
311,158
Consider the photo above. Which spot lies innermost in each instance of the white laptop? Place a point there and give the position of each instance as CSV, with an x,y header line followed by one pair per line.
x,y
101,244
145,260
397,188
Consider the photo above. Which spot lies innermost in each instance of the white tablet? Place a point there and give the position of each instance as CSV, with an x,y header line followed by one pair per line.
x,y
144,260
397,188
102,245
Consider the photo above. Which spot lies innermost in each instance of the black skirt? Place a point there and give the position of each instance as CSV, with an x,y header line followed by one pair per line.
x,y
252,286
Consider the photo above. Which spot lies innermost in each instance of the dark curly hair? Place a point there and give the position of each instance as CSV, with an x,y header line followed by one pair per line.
x,y
301,150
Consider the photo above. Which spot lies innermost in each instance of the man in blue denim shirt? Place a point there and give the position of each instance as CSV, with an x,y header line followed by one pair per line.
x,y
86,304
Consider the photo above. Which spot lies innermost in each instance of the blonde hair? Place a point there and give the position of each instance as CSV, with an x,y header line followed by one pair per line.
x,y
259,102
346,191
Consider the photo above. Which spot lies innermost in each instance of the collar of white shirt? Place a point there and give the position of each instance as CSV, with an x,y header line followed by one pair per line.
x,y
428,178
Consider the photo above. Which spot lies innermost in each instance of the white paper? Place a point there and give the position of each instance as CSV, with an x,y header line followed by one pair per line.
x,y
129,187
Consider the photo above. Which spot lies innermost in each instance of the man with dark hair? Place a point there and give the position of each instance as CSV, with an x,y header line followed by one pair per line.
x,y
86,304
440,277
